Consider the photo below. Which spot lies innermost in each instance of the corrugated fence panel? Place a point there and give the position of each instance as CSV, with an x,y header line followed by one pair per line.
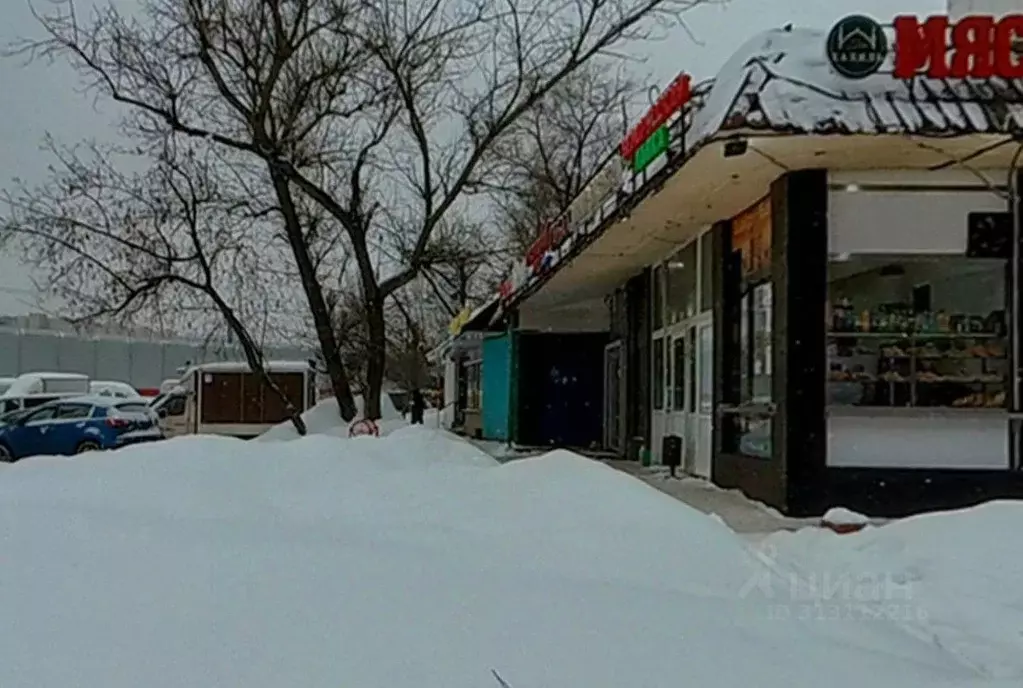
x,y
113,360
10,363
76,355
39,353
176,356
141,363
146,364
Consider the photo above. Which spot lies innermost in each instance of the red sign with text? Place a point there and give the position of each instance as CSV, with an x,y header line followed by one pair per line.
x,y
550,236
981,47
674,97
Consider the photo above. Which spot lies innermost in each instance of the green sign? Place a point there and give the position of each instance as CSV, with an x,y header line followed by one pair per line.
x,y
857,47
650,149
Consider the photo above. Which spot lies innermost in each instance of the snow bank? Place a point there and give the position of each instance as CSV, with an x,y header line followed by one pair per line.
x,y
408,560
324,419
951,578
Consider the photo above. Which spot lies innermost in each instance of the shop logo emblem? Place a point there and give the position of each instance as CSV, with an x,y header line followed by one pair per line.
x,y
857,47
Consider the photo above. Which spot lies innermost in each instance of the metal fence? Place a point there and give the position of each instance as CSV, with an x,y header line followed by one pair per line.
x,y
140,362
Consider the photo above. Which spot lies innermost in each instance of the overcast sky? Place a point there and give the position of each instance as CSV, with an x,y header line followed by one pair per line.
x,y
42,99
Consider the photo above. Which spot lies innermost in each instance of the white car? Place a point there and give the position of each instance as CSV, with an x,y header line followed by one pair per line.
x,y
108,388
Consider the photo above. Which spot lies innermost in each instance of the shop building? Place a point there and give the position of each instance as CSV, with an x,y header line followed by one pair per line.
x,y
810,282
527,382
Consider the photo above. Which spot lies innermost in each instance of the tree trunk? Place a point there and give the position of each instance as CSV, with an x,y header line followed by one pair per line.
x,y
257,364
377,356
329,347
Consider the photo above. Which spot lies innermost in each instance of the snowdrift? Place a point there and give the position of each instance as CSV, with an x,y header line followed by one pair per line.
x,y
409,560
324,419
950,577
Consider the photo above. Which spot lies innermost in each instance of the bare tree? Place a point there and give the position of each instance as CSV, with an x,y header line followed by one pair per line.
x,y
382,112
114,245
557,147
468,264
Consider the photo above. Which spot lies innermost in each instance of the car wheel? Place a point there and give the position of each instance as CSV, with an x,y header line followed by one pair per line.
x,y
5,455
87,446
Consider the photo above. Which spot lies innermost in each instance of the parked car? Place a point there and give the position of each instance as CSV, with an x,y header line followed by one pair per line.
x,y
35,389
76,425
170,407
110,388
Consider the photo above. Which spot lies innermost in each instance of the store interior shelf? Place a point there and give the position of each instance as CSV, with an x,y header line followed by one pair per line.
x,y
915,335
910,411
923,370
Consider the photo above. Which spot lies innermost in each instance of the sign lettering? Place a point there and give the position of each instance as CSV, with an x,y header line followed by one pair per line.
x,y
982,47
550,236
674,97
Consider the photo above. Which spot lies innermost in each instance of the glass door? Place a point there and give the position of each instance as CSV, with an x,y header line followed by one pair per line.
x,y
675,374
660,369
613,416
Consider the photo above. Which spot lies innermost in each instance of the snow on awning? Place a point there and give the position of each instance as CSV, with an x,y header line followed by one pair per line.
x,y
780,82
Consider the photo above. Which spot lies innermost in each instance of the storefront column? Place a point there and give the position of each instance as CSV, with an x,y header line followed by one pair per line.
x,y
638,306
1015,322
725,276
799,265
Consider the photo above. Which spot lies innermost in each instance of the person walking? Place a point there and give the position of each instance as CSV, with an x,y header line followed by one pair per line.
x,y
418,407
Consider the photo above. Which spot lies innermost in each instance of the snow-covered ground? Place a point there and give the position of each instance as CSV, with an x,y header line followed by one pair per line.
x,y
417,560
951,578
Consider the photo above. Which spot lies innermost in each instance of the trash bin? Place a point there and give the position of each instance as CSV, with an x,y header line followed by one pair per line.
x,y
671,452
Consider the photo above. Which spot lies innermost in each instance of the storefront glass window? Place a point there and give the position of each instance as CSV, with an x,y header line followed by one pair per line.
x,y
706,272
760,341
679,362
658,374
658,297
680,285
473,396
691,363
917,332
706,369
750,428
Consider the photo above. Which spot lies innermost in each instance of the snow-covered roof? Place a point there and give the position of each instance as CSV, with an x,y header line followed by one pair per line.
x,y
41,383
780,81
243,367
103,400
114,388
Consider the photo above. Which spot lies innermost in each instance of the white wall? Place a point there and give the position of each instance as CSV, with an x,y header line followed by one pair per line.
x,y
447,414
959,8
919,221
592,315
963,439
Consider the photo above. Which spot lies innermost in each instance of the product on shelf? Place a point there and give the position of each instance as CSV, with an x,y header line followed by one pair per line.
x,y
889,357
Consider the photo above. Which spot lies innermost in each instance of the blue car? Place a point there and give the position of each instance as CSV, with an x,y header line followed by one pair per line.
x,y
76,425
